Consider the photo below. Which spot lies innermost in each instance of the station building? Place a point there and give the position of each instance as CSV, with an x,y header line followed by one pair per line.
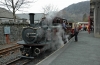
x,y
95,16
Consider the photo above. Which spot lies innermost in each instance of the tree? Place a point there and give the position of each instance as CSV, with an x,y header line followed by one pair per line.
x,y
14,5
48,9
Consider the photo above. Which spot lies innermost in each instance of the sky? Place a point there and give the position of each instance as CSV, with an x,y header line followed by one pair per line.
x,y
37,6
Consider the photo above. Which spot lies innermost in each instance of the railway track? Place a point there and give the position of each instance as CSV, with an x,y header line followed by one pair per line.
x,y
25,61
2,51
19,61
40,58
9,54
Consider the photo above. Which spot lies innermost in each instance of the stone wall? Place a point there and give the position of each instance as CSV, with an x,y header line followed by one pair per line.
x,y
15,31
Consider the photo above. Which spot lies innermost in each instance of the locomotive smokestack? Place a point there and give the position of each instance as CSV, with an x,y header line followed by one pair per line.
x,y
31,15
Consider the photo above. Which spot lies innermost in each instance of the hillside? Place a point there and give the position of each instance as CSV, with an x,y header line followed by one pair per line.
x,y
75,12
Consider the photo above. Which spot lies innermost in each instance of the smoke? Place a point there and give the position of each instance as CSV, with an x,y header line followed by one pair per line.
x,y
57,41
54,40
49,18
40,32
55,35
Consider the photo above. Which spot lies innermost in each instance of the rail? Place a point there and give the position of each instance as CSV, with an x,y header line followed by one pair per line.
x,y
9,49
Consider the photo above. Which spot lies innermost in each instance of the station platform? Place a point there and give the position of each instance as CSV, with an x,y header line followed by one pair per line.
x,y
84,52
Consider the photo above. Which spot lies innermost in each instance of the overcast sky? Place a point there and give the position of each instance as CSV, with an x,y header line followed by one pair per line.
x,y
39,4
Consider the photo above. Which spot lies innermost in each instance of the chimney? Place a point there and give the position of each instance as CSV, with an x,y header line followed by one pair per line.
x,y
31,16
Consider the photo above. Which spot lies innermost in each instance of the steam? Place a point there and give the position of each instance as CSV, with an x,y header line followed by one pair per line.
x,y
50,17
55,35
54,38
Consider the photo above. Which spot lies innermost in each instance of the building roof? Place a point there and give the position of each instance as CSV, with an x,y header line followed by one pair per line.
x,y
5,13
37,16
93,1
83,22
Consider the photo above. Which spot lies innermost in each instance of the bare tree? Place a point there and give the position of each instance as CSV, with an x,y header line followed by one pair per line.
x,y
49,8
14,5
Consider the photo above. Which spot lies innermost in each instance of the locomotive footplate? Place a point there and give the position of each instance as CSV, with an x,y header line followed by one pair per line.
x,y
23,43
27,57
31,50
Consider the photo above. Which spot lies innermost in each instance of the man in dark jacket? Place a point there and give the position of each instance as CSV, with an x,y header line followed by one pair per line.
x,y
76,31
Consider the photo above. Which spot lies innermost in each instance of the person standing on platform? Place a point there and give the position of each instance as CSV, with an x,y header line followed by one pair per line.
x,y
76,31
64,25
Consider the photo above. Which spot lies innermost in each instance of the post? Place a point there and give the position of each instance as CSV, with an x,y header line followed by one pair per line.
x,y
7,38
7,32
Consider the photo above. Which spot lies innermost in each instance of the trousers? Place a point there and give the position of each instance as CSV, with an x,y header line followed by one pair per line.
x,y
76,38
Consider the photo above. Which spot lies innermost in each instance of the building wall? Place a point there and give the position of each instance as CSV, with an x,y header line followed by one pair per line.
x,y
97,20
15,31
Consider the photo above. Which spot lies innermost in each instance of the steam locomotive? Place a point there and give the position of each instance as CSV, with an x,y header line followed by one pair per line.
x,y
36,38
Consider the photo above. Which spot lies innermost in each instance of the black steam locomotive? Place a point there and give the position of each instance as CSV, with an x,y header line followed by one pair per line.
x,y
35,38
